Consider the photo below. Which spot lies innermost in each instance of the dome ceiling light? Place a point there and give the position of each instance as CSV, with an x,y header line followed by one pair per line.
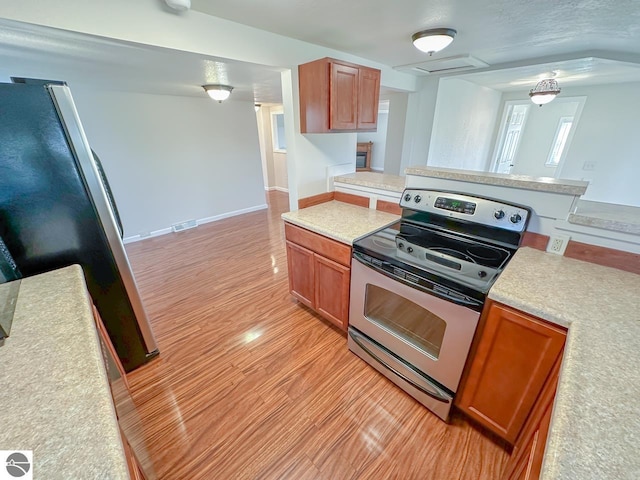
x,y
546,90
179,5
433,40
218,92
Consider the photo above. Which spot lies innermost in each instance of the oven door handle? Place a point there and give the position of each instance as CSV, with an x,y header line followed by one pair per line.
x,y
434,392
465,302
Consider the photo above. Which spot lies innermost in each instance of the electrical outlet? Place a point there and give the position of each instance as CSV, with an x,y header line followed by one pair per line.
x,y
558,244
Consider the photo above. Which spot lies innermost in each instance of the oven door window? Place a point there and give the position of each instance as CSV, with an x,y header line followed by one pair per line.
x,y
406,319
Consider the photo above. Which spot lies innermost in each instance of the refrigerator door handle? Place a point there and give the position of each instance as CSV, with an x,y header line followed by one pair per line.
x,y
63,102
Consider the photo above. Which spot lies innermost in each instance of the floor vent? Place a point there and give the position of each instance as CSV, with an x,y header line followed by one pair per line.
x,y
443,65
178,227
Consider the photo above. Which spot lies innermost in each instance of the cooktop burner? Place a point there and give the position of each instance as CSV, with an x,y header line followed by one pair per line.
x,y
456,246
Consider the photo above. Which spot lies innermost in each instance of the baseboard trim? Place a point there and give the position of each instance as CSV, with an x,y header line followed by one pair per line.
x,y
201,221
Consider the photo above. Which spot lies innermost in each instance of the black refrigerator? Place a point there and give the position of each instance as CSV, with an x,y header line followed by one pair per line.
x,y
56,209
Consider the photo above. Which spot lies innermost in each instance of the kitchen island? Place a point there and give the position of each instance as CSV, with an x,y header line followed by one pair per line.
x,y
595,426
595,429
55,395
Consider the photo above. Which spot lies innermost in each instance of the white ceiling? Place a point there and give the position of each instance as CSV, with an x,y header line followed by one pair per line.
x,y
39,52
494,31
582,71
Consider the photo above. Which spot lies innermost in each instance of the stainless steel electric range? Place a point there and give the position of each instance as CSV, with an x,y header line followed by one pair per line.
x,y
418,287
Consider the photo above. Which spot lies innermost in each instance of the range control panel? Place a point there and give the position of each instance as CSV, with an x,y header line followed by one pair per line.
x,y
481,210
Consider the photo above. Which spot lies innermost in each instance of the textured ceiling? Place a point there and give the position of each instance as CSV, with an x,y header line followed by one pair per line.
x,y
495,31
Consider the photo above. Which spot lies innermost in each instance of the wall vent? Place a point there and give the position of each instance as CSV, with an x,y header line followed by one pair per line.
x,y
178,227
443,65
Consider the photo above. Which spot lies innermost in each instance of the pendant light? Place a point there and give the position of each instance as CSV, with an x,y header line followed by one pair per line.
x,y
545,91
218,92
433,40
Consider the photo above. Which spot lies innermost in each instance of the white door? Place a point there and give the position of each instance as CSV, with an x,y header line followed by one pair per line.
x,y
511,132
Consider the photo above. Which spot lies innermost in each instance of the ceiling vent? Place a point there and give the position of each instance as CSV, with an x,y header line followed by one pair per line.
x,y
443,65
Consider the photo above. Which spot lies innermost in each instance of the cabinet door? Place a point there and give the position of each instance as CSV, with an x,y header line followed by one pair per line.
x,y
513,360
368,99
332,291
115,370
343,111
301,273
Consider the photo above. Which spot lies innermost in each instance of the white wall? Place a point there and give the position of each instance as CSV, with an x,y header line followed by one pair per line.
x,y
379,139
419,124
538,137
150,22
464,120
170,159
396,122
607,138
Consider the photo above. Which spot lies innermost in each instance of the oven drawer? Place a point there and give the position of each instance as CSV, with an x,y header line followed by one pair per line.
x,y
418,385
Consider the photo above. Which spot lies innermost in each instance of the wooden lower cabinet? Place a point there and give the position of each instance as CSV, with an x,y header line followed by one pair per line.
x,y
332,291
319,273
120,393
300,263
514,357
528,452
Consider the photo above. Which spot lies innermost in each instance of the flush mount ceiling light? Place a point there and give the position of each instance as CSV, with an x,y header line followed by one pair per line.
x,y
218,92
433,40
180,5
545,91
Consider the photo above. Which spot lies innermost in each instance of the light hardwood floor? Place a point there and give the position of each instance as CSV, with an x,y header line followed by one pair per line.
x,y
252,385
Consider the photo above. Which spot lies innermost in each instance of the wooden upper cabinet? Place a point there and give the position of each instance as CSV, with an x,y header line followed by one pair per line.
x,y
344,87
369,96
337,96
513,360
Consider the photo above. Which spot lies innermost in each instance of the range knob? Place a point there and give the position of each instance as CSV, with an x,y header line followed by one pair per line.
x,y
515,218
409,249
407,197
482,273
417,198
499,214
401,245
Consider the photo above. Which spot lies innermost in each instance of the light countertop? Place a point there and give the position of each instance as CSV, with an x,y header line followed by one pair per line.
x,y
608,216
381,181
341,221
55,397
595,427
542,184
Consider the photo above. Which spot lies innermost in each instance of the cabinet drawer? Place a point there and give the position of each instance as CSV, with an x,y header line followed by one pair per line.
x,y
331,249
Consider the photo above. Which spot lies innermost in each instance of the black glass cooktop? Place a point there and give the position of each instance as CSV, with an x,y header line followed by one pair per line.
x,y
472,251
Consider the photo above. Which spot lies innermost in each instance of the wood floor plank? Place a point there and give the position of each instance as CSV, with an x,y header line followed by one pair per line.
x,y
249,384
